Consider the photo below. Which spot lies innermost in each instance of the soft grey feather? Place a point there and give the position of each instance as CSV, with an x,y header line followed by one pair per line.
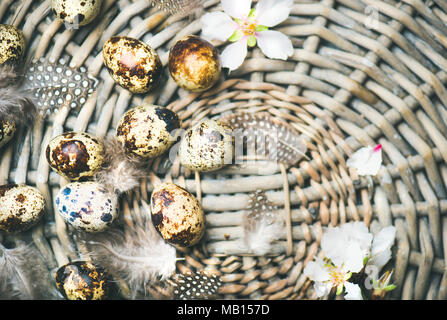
x,y
16,104
24,275
121,172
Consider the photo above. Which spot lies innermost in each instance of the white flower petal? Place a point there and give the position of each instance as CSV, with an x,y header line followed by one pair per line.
x,y
383,240
353,291
333,242
234,54
274,44
217,26
380,259
316,271
237,8
272,12
366,160
322,289
381,247
352,258
358,232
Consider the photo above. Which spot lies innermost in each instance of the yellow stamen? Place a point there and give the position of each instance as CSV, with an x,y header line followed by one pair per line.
x,y
248,28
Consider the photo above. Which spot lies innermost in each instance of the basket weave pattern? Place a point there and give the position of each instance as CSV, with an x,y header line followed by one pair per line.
x,y
347,85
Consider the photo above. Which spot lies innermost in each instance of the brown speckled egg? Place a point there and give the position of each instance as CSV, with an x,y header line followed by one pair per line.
x,y
12,44
21,207
194,64
177,215
81,280
207,146
76,12
75,155
86,206
7,130
148,131
133,64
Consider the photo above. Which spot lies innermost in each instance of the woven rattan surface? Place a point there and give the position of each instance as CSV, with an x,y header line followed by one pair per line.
x,y
362,72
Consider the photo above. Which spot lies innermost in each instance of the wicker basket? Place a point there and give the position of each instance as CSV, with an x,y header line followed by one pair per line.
x,y
347,85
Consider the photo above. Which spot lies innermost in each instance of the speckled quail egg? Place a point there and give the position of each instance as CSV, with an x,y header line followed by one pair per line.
x,y
133,64
12,44
87,206
75,155
81,280
21,207
7,130
148,131
194,64
207,146
76,12
177,215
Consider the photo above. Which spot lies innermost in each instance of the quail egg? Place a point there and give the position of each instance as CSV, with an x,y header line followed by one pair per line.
x,y
76,12
12,44
86,206
207,146
75,155
21,207
194,64
7,130
148,131
177,215
81,280
133,64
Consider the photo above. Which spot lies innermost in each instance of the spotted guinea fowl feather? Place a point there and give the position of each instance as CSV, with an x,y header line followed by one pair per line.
x,y
262,224
55,85
177,6
195,286
266,136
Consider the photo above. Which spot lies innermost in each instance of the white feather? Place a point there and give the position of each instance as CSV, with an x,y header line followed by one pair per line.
x,y
262,224
259,238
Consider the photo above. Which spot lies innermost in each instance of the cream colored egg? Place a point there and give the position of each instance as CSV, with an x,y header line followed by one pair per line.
x,y
207,146
133,64
76,12
148,131
21,207
75,155
7,130
177,215
12,44
86,206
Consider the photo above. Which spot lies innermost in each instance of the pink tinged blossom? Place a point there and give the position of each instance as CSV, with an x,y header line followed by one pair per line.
x,y
367,160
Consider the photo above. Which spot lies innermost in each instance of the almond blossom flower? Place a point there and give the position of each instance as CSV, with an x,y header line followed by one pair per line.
x,y
347,249
366,160
247,27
